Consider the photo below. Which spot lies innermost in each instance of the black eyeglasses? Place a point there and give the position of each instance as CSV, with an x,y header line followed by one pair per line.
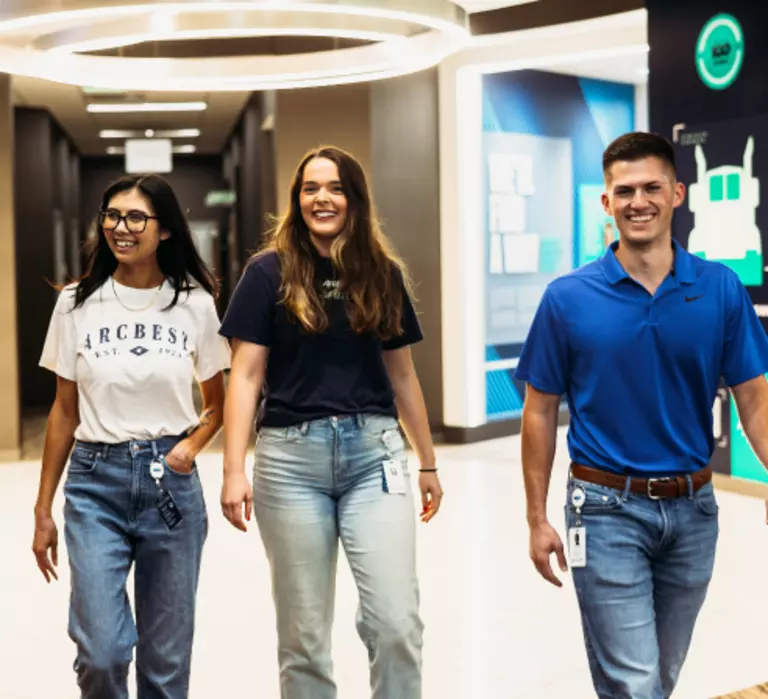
x,y
135,221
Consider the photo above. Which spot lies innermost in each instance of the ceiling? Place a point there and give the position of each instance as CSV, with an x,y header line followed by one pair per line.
x,y
68,103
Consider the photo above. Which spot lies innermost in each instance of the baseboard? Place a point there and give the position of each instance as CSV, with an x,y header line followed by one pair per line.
x,y
740,486
10,455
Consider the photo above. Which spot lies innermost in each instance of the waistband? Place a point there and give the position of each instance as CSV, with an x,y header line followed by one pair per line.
x,y
655,488
335,422
156,447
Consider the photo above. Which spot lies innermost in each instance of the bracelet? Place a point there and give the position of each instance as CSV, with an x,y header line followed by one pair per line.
x,y
427,470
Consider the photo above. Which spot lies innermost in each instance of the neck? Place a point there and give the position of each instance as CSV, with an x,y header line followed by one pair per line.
x,y
648,264
143,276
322,245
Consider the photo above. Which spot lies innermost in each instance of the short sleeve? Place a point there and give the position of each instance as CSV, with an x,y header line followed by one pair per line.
x,y
411,328
745,347
543,361
251,310
60,348
212,352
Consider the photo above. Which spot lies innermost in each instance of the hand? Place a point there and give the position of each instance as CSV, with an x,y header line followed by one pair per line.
x,y
46,537
181,458
236,493
431,495
544,542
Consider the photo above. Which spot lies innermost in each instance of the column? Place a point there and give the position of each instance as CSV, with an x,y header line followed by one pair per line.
x,y
10,423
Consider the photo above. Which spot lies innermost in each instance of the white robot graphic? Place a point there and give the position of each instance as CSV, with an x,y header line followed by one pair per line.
x,y
724,203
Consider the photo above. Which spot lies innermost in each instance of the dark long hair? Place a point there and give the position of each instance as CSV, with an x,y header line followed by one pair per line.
x,y
370,272
177,255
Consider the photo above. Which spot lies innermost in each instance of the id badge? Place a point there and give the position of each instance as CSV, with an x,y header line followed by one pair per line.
x,y
169,511
394,477
577,546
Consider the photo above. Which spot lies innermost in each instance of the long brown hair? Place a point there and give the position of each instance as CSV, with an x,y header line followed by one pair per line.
x,y
369,271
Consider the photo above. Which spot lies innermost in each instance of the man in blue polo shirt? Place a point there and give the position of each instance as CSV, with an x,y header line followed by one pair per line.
x,y
638,342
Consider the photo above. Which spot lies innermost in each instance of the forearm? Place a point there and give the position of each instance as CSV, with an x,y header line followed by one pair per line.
x,y
211,420
59,437
539,435
239,415
412,412
755,424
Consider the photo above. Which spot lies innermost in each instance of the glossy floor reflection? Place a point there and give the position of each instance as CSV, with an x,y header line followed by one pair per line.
x,y
493,628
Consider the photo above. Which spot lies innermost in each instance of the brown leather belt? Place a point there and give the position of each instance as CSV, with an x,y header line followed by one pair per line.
x,y
654,488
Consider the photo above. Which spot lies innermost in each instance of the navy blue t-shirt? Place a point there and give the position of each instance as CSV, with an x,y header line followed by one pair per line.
x,y
641,372
312,375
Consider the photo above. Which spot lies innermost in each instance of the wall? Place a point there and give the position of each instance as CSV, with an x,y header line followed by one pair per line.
x,y
405,174
724,130
304,119
35,254
544,137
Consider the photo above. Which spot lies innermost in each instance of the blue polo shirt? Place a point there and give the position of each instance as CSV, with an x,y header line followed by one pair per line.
x,y
640,372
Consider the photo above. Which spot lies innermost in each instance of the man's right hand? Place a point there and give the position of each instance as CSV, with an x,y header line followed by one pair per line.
x,y
236,494
544,542
46,539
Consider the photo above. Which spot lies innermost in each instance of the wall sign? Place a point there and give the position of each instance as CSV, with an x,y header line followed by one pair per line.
x,y
720,51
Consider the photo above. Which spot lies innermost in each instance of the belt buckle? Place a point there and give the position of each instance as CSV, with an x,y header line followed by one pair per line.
x,y
651,481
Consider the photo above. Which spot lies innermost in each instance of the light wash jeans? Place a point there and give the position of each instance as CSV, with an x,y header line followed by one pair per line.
x,y
649,563
111,521
317,484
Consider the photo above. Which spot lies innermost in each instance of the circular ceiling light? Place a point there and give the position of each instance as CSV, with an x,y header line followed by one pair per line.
x,y
406,36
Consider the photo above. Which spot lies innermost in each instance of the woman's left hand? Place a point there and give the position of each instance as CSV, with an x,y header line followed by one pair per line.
x,y
431,494
180,458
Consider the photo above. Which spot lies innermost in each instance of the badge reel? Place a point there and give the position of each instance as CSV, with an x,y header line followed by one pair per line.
x,y
577,536
166,504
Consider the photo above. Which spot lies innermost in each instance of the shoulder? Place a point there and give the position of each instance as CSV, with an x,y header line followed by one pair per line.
x,y
716,274
265,263
66,298
567,287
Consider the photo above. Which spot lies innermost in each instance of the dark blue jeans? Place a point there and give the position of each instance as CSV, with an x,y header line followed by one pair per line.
x,y
649,563
111,522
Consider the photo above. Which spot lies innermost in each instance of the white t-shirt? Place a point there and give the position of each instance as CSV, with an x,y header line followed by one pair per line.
x,y
135,368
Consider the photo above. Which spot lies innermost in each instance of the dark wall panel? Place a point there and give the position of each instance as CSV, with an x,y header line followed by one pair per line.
x,y
405,181
34,204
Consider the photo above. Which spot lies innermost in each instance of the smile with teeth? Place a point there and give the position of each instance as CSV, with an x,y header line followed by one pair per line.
x,y
640,218
324,215
125,244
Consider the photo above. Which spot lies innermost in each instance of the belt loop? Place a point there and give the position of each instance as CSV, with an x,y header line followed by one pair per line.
x,y
155,452
104,449
304,428
689,481
627,486
360,419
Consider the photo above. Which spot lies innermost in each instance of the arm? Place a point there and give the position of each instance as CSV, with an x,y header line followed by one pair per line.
x,y
59,437
211,420
412,411
246,380
539,435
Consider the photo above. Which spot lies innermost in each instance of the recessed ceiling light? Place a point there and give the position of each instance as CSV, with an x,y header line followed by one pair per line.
x,y
149,133
173,133
127,107
178,150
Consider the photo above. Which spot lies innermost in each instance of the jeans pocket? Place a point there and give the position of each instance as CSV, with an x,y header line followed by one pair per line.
x,y
705,501
181,474
82,461
597,498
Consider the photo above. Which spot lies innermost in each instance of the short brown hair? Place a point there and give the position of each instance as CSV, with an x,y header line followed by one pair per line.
x,y
637,146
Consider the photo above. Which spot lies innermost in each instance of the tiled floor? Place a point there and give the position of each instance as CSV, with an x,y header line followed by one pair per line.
x,y
493,628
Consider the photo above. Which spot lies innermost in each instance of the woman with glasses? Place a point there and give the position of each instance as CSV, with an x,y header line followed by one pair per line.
x,y
126,343
322,324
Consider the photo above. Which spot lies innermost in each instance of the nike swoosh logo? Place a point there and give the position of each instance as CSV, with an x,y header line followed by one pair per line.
x,y
688,299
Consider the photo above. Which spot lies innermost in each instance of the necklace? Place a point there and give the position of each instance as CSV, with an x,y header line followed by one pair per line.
x,y
136,310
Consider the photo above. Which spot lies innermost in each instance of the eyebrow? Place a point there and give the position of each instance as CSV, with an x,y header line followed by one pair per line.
x,y
634,185
306,182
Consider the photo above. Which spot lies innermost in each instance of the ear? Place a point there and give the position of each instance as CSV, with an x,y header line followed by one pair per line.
x,y
606,204
679,194
164,235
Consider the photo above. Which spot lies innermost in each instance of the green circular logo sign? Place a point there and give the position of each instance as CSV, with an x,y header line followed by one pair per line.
x,y
720,51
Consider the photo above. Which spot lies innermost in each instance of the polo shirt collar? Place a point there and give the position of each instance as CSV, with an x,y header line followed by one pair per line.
x,y
683,269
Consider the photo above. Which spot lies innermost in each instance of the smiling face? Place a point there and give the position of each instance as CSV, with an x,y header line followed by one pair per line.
x,y
642,195
322,201
131,229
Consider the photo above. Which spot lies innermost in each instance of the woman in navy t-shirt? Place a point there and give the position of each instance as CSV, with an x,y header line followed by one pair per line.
x,y
321,323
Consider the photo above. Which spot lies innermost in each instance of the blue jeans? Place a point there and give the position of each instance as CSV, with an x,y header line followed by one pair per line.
x,y
649,563
111,521
317,484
